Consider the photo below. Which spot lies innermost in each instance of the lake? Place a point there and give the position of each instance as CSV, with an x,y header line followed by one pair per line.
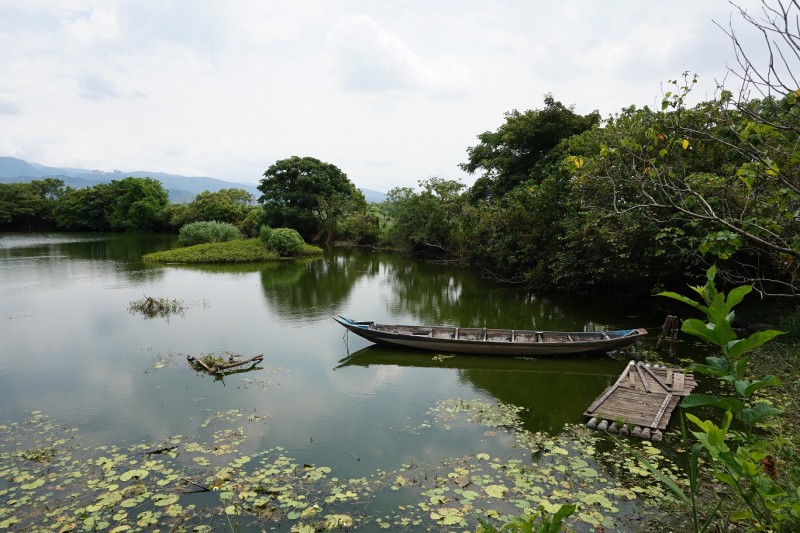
x,y
74,356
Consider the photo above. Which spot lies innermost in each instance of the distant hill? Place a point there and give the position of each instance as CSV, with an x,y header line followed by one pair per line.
x,y
181,189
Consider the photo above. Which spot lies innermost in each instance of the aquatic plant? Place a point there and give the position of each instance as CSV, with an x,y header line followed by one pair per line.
x,y
157,307
738,457
51,480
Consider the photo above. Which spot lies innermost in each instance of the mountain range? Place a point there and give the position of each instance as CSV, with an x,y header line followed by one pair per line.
x,y
181,189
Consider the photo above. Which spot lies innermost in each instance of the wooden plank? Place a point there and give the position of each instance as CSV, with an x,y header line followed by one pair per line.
x,y
662,410
657,379
641,376
678,384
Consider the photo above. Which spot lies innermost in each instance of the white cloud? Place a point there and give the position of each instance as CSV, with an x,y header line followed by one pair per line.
x,y
99,25
391,92
370,58
9,103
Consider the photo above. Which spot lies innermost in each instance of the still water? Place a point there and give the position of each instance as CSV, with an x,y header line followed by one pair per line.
x,y
70,348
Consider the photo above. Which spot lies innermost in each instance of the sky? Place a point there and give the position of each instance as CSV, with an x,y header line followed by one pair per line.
x,y
391,92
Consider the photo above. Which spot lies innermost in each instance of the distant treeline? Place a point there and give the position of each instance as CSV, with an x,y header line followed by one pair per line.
x,y
127,205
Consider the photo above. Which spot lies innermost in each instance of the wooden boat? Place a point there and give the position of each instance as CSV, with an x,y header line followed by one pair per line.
x,y
509,342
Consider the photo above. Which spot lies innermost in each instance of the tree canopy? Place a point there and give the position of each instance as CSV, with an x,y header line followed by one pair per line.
x,y
516,152
308,195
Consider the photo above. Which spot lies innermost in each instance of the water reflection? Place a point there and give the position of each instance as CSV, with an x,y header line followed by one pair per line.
x,y
440,294
316,288
51,260
550,388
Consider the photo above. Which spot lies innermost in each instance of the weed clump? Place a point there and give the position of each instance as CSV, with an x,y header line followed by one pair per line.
x,y
157,307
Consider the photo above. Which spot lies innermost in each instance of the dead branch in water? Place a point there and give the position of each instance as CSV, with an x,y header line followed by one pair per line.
x,y
217,365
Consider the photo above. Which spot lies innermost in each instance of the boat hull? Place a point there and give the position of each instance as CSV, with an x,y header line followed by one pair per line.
x,y
483,341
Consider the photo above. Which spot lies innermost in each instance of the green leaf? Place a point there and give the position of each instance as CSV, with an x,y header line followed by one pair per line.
x,y
753,415
496,491
134,473
162,500
717,366
667,481
739,347
736,295
746,388
722,402
726,478
565,511
684,299
740,515
719,333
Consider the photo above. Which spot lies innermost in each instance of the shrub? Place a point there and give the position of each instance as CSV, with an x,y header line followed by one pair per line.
x,y
205,232
264,233
285,241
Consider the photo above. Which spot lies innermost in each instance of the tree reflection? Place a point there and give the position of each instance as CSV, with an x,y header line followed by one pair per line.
x,y
447,295
122,251
317,287
555,391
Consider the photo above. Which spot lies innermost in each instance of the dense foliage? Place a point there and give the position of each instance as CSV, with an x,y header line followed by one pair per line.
x,y
285,241
518,151
737,449
130,204
646,198
233,206
308,195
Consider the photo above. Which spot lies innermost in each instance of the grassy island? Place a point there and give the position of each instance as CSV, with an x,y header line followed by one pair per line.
x,y
236,251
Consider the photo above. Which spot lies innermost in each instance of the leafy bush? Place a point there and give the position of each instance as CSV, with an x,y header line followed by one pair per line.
x,y
264,233
285,241
735,454
205,232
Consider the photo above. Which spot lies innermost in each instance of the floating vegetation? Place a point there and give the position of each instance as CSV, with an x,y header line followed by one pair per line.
x,y
206,483
157,307
161,361
219,366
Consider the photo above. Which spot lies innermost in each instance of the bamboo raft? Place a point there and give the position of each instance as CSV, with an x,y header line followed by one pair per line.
x,y
641,401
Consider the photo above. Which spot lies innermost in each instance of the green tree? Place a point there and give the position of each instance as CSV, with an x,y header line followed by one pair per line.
x,y
29,205
138,204
426,219
85,209
308,195
513,154
730,166
225,205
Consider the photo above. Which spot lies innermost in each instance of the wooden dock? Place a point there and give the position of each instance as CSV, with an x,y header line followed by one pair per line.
x,y
641,401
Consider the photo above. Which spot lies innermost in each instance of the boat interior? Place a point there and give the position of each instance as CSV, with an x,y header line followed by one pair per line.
x,y
487,334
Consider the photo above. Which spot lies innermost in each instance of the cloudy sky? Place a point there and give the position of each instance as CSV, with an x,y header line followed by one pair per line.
x,y
391,92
